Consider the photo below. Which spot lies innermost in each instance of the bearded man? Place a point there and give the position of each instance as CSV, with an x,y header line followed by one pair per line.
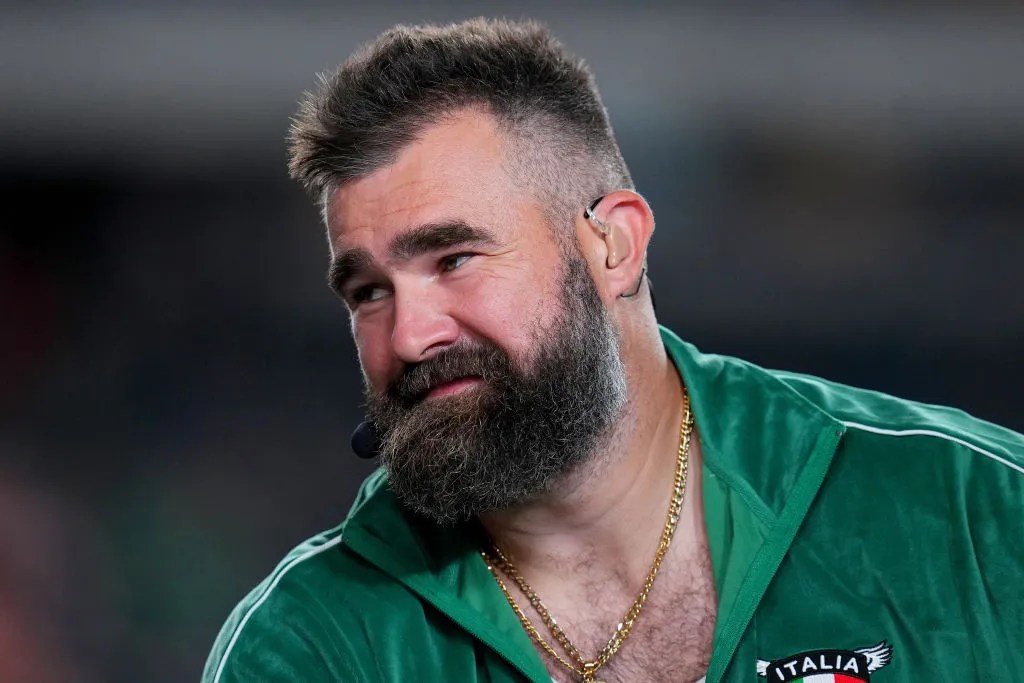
x,y
569,491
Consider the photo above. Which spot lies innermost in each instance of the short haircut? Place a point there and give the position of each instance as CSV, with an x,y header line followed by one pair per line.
x,y
410,77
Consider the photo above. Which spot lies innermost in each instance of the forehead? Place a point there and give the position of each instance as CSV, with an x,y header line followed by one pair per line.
x,y
452,171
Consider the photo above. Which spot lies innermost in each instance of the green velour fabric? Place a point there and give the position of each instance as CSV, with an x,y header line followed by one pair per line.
x,y
837,518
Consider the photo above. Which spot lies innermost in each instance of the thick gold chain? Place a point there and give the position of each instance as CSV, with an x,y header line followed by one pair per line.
x,y
587,669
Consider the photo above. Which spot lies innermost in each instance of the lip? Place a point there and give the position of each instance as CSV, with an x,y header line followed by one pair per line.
x,y
454,387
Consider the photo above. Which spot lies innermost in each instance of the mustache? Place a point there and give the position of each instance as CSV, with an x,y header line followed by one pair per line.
x,y
470,359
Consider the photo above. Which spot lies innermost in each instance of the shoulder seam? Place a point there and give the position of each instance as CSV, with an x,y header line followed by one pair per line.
x,y
939,435
263,598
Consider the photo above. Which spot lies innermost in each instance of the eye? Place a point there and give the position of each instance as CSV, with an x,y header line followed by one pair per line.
x,y
367,293
453,261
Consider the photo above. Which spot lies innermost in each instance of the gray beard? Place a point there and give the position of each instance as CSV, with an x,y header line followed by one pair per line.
x,y
508,440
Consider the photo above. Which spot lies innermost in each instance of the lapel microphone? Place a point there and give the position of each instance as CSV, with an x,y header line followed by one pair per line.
x,y
365,441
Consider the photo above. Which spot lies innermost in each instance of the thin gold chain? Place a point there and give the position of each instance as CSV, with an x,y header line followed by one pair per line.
x,y
496,560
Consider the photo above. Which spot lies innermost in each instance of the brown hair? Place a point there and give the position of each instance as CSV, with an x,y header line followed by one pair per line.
x,y
412,76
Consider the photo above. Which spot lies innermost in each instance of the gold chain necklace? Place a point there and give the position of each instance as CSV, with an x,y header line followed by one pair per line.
x,y
587,669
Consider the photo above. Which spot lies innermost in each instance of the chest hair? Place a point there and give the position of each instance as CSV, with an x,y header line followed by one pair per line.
x,y
670,642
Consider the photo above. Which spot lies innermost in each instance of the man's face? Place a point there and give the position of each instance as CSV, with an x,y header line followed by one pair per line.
x,y
490,364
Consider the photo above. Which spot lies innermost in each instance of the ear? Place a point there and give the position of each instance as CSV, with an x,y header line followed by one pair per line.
x,y
620,229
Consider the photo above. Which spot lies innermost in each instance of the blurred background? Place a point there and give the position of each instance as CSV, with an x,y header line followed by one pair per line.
x,y
839,189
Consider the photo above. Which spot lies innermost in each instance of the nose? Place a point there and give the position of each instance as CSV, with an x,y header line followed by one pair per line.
x,y
423,325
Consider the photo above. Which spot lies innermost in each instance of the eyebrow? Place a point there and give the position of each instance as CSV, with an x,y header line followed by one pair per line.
x,y
420,240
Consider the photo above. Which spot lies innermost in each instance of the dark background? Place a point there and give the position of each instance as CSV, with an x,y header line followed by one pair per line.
x,y
839,189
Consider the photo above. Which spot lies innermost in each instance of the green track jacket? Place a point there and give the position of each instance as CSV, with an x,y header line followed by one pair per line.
x,y
853,536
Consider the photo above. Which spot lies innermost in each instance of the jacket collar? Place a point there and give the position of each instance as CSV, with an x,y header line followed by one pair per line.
x,y
756,432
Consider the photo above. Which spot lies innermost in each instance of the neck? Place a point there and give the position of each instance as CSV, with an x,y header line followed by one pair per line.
x,y
613,507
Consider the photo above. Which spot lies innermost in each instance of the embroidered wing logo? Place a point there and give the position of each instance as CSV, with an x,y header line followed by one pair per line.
x,y
827,666
878,656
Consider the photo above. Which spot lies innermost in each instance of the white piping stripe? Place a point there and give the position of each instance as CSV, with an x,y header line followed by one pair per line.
x,y
947,437
266,593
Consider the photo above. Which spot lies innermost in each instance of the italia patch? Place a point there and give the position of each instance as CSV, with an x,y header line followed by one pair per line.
x,y
827,666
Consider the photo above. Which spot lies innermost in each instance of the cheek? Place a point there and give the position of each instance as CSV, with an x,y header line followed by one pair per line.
x,y
510,313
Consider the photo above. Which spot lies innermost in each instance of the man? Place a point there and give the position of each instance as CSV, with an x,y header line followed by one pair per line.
x,y
568,491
